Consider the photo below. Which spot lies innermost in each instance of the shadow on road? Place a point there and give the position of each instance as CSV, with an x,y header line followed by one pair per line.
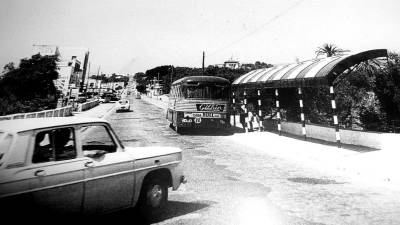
x,y
206,132
174,209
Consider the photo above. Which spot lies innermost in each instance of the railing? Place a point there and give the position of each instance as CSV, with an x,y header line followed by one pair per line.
x,y
87,105
58,112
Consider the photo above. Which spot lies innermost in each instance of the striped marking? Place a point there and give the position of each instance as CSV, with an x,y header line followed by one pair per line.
x,y
337,136
256,74
295,72
269,73
333,103
321,64
335,120
240,79
283,72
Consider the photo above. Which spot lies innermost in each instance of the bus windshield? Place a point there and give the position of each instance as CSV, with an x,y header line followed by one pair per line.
x,y
206,91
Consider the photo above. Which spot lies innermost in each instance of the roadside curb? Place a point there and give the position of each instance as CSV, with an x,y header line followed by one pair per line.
x,y
156,102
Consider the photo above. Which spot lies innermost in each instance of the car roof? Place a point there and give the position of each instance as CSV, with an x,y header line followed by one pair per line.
x,y
20,125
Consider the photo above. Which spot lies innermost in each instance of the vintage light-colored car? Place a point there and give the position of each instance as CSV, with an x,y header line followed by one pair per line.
x,y
122,105
73,165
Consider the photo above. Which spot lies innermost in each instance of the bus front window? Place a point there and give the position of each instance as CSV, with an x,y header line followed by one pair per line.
x,y
206,92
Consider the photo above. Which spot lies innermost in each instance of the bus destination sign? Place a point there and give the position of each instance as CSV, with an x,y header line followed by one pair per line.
x,y
210,107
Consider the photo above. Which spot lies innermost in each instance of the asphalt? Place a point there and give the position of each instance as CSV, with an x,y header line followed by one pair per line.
x,y
369,166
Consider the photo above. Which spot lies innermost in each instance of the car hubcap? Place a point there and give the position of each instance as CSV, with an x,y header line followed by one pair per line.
x,y
155,195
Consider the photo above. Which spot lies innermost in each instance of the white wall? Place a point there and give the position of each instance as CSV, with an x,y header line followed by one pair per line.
x,y
292,128
353,137
321,132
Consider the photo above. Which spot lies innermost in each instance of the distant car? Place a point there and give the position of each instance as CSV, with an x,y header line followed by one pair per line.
x,y
123,105
81,99
104,99
138,96
75,165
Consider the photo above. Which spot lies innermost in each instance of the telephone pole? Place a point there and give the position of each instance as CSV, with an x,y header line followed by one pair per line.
x,y
97,79
203,63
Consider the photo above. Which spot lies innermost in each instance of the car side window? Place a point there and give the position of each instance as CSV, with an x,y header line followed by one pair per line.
x,y
54,145
97,138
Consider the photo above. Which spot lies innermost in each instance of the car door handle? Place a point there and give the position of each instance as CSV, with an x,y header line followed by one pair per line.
x,y
156,161
89,164
40,173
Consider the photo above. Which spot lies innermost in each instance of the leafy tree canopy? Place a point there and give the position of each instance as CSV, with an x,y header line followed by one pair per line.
x,y
30,86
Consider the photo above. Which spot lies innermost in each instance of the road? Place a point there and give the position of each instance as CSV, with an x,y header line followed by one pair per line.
x,y
234,184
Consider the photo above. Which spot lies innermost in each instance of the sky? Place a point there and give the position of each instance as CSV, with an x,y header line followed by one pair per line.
x,y
129,36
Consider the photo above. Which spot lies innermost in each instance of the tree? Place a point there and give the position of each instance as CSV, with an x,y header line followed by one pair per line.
x,y
329,50
387,88
8,67
30,87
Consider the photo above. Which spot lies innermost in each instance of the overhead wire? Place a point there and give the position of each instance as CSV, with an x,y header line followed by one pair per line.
x,y
282,13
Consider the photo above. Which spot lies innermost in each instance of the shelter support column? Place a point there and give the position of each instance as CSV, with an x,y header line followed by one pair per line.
x,y
260,124
335,117
278,113
303,121
246,111
234,111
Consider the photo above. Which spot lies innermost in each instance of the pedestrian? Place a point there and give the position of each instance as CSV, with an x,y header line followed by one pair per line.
x,y
252,116
242,115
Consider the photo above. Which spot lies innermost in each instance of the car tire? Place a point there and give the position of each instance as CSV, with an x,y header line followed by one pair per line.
x,y
153,198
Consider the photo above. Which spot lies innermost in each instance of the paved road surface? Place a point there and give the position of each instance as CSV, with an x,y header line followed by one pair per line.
x,y
232,184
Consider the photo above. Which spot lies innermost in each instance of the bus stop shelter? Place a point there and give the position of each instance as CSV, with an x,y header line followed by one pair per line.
x,y
311,73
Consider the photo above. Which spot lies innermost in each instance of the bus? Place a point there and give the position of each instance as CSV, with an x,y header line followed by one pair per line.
x,y
199,102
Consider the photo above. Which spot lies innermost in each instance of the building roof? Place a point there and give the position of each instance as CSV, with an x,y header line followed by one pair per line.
x,y
20,125
313,72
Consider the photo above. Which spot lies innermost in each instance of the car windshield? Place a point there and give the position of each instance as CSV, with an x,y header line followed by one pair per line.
x,y
5,143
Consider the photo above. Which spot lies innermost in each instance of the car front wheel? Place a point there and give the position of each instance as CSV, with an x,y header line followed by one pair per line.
x,y
153,198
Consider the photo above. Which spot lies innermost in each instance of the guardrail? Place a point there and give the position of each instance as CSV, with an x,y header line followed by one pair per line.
x,y
58,112
87,105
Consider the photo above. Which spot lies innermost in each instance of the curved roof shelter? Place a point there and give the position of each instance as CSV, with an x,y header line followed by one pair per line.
x,y
314,72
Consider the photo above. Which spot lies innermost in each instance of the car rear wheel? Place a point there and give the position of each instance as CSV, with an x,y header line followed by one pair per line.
x,y
153,198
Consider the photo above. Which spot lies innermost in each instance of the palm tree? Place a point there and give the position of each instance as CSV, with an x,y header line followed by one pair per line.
x,y
329,50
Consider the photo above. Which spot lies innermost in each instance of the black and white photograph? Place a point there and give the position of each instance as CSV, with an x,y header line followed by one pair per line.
x,y
189,112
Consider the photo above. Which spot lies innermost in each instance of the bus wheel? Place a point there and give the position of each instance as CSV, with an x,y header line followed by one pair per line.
x,y
179,130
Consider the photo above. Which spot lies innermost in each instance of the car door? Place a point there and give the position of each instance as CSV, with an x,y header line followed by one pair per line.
x,y
109,175
14,179
58,173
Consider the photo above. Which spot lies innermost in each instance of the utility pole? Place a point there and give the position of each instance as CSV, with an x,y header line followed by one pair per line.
x,y
97,79
85,64
203,63
88,76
